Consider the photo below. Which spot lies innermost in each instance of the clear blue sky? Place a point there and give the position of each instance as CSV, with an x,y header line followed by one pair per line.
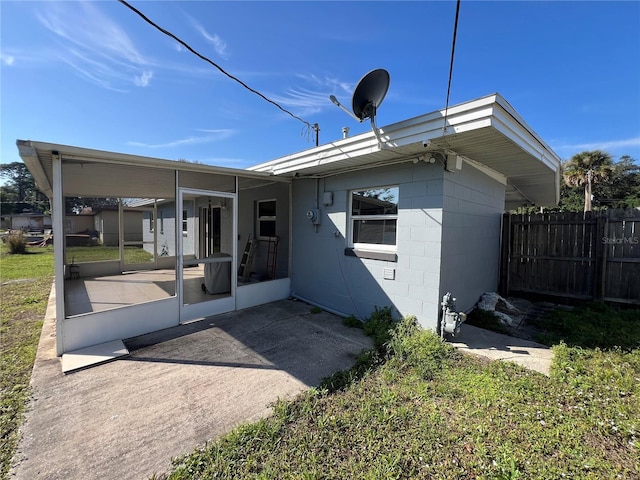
x,y
95,75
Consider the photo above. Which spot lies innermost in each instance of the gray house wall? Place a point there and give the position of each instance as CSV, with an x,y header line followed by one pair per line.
x,y
166,236
247,225
472,212
322,273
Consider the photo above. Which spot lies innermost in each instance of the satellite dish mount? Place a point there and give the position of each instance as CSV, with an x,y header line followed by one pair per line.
x,y
367,97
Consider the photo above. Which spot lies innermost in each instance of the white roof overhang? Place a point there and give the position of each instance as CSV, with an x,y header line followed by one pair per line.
x,y
486,132
97,173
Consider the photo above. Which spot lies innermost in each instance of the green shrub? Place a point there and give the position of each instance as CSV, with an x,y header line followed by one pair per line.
x,y
379,326
421,349
352,322
17,243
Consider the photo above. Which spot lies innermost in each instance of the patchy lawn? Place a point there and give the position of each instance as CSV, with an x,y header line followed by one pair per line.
x,y
422,410
26,284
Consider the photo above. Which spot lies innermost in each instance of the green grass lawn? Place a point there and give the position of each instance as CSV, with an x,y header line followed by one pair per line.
x,y
26,284
101,253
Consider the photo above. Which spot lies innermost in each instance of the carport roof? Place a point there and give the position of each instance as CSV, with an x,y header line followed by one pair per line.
x,y
38,157
486,132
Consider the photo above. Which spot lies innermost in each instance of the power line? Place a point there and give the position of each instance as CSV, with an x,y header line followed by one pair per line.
x,y
453,51
222,70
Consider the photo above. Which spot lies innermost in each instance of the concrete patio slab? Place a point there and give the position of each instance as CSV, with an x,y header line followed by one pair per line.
x,y
178,389
92,356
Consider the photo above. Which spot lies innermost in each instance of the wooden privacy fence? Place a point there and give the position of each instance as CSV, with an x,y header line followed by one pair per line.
x,y
593,255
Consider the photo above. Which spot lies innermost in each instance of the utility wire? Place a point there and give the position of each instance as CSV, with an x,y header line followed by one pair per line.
x,y
222,70
453,51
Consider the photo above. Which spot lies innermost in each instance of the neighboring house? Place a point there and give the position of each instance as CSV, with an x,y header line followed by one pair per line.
x,y
106,224
84,222
30,222
361,224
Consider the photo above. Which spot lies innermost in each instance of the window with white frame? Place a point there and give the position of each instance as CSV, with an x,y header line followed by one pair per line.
x,y
266,218
374,218
151,221
161,215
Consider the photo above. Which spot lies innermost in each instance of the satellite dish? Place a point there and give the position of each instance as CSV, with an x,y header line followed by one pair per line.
x,y
367,97
369,93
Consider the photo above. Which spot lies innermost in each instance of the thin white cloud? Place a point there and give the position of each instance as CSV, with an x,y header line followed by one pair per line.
x,y
143,79
313,96
219,45
95,45
214,135
606,145
610,144
332,83
7,59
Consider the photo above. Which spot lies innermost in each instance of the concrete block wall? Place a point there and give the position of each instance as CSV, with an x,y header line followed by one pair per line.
x,y
473,204
321,271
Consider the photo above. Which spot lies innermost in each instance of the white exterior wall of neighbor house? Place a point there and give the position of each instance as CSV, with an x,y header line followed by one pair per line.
x,y
473,204
323,274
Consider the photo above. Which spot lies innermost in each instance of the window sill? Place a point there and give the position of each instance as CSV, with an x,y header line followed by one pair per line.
x,y
371,255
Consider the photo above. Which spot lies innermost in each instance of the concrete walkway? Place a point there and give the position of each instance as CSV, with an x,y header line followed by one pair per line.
x,y
178,389
496,346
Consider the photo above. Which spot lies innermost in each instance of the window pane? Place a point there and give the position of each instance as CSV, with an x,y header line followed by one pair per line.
x,y
380,232
267,209
267,228
377,201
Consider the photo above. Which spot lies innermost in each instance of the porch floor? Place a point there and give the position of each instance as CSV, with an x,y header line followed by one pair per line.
x,y
95,294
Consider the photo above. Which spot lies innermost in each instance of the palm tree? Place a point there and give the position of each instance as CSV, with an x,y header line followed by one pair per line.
x,y
586,169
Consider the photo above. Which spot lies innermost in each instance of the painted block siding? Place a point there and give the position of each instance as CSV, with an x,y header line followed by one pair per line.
x,y
166,234
321,271
166,229
448,235
472,211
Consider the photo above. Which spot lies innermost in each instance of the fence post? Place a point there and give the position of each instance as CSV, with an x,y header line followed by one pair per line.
x,y
505,253
600,269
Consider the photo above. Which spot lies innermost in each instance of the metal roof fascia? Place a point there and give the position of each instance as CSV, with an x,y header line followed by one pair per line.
x,y
99,156
29,155
463,117
522,136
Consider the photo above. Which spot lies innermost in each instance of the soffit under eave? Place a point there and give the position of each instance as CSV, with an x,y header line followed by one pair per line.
x,y
39,166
